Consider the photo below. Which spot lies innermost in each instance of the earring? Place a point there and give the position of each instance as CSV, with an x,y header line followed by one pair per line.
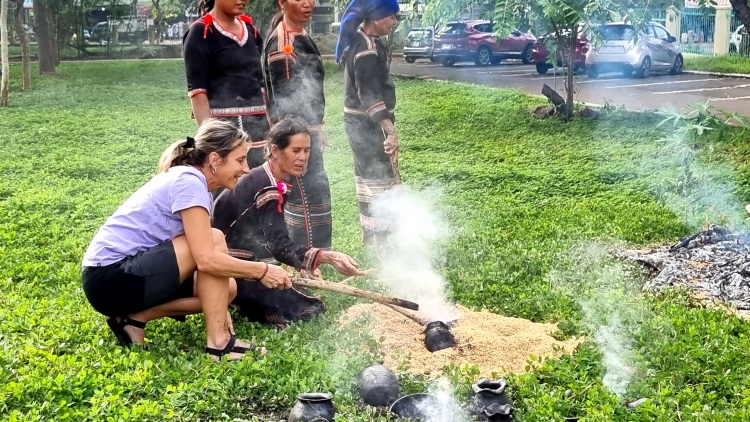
x,y
214,170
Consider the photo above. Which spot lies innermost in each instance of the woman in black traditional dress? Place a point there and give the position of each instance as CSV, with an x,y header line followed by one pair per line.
x,y
252,219
369,103
224,73
294,76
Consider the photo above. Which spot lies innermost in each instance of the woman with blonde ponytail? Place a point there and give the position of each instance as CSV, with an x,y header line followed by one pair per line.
x,y
158,256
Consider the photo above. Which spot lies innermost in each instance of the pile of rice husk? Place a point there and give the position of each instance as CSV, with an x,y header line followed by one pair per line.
x,y
492,342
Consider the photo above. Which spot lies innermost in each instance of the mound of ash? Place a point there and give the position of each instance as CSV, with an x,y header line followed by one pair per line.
x,y
715,263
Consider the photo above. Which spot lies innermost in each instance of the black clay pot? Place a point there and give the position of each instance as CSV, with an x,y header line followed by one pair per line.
x,y
486,393
422,407
313,407
378,385
498,412
437,336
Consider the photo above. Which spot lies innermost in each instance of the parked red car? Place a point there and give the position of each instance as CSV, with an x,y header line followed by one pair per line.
x,y
540,55
475,41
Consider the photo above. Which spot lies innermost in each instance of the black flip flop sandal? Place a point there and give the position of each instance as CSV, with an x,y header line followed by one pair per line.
x,y
118,329
229,348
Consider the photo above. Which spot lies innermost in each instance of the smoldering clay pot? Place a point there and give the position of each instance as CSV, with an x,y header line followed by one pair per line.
x,y
487,393
437,336
378,385
422,407
313,407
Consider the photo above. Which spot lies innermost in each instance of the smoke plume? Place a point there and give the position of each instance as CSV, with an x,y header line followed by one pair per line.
x,y
609,296
418,234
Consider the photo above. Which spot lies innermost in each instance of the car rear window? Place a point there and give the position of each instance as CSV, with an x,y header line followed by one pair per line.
x,y
418,35
453,29
617,32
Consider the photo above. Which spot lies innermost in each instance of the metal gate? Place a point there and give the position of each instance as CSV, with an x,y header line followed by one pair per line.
x,y
698,27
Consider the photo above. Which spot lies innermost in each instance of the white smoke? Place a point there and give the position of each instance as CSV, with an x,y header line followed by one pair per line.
x,y
618,353
416,247
609,296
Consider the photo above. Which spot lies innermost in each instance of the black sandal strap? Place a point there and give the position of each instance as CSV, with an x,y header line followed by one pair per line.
x,y
137,324
229,348
117,329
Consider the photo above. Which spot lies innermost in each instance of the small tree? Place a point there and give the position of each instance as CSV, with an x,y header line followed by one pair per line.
x,y
4,53
564,20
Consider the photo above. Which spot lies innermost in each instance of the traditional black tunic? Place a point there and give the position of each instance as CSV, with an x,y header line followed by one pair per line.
x,y
227,68
369,98
294,83
252,219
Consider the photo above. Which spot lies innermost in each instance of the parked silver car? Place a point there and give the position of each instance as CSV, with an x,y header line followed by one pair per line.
x,y
419,44
622,51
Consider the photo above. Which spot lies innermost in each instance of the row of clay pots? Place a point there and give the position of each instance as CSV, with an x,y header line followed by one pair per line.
x,y
378,386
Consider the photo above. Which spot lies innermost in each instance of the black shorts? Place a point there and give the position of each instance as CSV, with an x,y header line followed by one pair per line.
x,y
136,283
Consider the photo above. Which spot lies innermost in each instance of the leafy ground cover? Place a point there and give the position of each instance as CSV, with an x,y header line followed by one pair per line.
x,y
724,64
91,52
533,206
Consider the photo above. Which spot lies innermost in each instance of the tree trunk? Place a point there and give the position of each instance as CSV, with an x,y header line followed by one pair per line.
x,y
44,39
571,74
4,53
742,10
53,30
24,40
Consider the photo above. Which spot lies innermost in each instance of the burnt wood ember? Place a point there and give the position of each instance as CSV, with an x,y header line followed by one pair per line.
x,y
714,262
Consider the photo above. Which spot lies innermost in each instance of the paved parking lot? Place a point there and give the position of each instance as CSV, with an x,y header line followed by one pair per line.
x,y
659,91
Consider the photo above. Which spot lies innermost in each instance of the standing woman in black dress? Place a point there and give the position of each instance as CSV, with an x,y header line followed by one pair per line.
x,y
294,76
224,74
369,104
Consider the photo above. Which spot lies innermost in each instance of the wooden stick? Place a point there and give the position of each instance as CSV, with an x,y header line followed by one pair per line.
x,y
353,291
409,315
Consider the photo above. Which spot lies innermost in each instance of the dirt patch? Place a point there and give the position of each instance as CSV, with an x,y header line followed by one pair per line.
x,y
492,342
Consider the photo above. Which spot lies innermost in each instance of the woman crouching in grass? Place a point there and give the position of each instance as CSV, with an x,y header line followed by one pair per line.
x,y
158,256
252,217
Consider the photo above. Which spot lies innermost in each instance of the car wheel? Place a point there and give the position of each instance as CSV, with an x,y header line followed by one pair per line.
x,y
432,59
484,56
677,66
409,59
593,72
527,54
448,62
645,70
542,68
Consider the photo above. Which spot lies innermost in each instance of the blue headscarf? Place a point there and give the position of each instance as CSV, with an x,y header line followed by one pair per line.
x,y
356,13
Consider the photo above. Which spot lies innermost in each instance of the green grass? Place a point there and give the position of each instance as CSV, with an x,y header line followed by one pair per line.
x,y
91,52
525,199
724,64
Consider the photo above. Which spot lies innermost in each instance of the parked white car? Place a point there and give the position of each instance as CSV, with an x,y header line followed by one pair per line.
x,y
622,51
736,39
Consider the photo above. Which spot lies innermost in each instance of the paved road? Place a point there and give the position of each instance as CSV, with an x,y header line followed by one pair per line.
x,y
659,91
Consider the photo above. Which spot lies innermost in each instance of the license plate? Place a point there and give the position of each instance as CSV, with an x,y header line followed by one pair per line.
x,y
610,49
447,46
415,44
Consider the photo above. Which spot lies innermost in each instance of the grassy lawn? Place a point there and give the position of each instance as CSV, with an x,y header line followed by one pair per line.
x,y
532,206
724,64
91,52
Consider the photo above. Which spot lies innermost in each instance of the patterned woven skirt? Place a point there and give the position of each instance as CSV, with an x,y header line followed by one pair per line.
x,y
373,171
